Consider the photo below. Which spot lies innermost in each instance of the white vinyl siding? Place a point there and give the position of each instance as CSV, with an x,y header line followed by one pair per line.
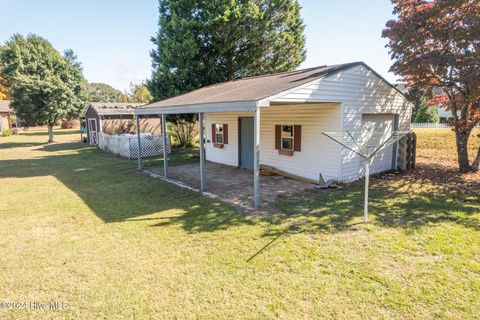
x,y
360,92
382,161
334,103
319,154
229,153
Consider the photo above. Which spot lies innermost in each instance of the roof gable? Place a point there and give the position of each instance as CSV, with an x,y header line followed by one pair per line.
x,y
248,92
250,89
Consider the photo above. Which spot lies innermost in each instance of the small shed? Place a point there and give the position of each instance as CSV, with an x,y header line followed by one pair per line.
x,y
5,116
277,120
114,118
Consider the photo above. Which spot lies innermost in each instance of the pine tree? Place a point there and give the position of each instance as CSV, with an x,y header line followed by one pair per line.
x,y
426,113
204,42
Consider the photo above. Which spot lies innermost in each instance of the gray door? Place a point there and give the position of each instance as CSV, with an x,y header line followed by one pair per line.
x,y
246,142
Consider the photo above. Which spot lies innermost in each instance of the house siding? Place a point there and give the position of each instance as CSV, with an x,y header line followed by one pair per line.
x,y
360,92
229,153
319,154
5,121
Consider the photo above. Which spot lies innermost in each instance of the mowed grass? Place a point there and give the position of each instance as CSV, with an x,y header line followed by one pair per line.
x,y
85,228
439,144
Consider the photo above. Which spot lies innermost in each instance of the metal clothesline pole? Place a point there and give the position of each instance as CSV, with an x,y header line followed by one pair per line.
x,y
364,150
202,151
139,155
165,153
367,178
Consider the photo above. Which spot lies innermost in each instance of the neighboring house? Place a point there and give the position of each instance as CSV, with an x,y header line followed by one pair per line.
x,y
444,114
114,118
5,116
284,115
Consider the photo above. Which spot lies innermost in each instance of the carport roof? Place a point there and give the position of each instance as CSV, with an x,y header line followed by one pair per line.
x,y
247,90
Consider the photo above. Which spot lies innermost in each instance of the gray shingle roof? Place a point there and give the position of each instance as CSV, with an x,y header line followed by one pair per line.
x,y
250,89
5,106
104,108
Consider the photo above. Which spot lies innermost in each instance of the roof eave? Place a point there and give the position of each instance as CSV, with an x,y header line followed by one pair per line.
x,y
234,106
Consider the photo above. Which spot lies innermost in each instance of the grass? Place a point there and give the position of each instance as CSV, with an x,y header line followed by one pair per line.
x,y
83,227
439,144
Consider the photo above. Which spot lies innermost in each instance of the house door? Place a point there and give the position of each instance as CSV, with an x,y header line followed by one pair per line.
x,y
246,142
92,130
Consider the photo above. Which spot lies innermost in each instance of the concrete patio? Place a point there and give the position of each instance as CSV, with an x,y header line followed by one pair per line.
x,y
234,185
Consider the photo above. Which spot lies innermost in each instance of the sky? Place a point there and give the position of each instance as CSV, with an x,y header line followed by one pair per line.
x,y
112,37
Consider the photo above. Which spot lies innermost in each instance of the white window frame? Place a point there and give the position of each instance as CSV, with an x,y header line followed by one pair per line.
x,y
283,135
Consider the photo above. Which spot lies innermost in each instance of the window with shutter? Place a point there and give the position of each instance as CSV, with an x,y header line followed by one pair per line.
x,y
219,134
288,138
297,138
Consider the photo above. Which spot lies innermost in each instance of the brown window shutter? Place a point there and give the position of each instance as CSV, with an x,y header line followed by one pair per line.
x,y
278,137
213,133
225,133
297,138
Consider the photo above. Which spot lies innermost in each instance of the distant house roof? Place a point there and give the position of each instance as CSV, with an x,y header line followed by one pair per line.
x,y
5,106
248,90
113,108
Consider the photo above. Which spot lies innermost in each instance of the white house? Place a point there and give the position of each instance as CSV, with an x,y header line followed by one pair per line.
x,y
278,119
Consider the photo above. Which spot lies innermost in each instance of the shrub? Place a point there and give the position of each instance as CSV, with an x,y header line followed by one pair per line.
x,y
70,124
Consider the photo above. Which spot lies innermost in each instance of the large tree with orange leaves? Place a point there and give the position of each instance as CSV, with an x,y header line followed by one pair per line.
x,y
435,43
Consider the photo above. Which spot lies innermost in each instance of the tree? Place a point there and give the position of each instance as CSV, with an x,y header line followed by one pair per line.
x,y
46,86
435,43
205,42
4,89
140,93
415,95
102,92
426,113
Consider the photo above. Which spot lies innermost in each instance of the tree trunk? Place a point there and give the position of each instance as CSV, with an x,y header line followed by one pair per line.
x,y
50,133
229,65
476,162
462,150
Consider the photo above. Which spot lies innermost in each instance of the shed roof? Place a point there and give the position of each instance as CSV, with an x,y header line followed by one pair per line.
x,y
249,89
5,106
113,108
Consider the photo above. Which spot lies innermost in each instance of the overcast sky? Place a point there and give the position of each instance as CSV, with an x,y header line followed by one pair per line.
x,y
112,37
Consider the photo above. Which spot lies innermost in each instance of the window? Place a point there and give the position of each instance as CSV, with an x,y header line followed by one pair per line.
x,y
287,138
219,137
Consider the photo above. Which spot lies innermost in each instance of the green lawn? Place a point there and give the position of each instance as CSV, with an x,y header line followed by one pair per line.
x,y
85,228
